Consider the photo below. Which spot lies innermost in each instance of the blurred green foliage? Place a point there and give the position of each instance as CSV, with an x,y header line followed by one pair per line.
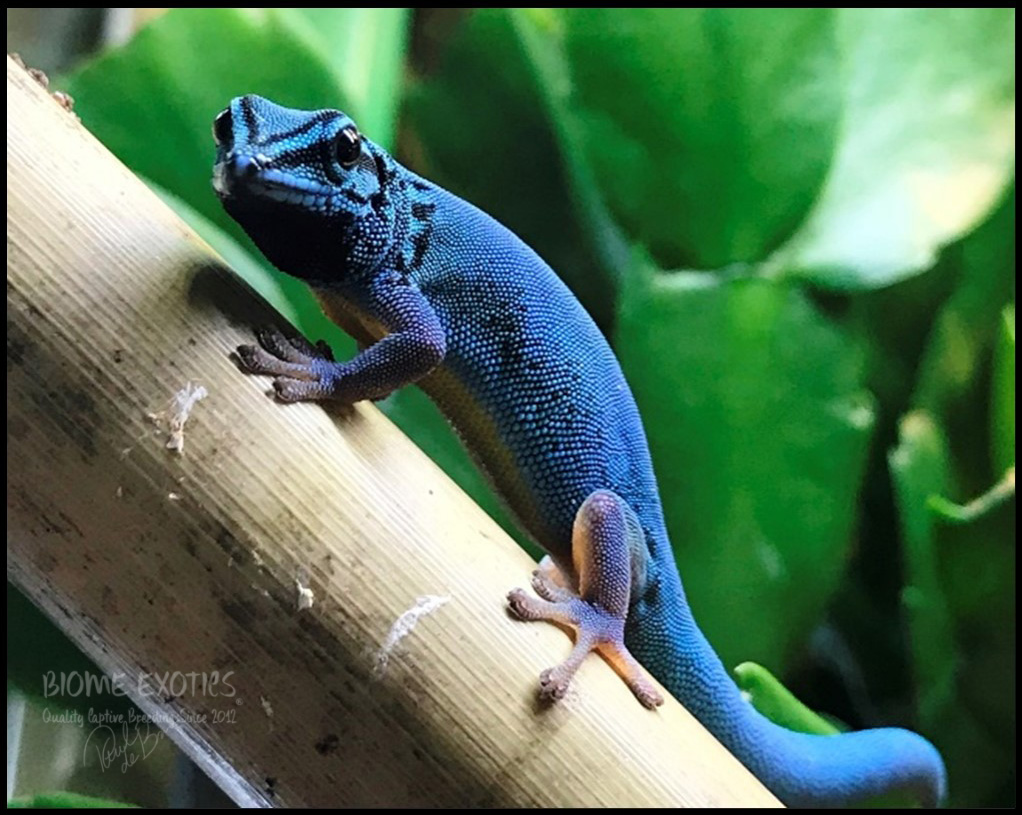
x,y
65,800
759,424
838,187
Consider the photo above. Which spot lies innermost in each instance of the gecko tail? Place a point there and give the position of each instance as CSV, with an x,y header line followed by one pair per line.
x,y
806,770
801,769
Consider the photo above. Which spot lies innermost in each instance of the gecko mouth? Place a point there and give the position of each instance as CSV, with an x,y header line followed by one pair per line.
x,y
241,177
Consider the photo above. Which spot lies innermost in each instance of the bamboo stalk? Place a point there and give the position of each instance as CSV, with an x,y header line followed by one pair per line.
x,y
155,562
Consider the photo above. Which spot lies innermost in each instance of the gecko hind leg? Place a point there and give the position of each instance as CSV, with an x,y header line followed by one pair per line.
x,y
609,554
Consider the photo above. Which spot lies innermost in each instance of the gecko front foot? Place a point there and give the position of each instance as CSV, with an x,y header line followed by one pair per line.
x,y
414,346
302,371
609,551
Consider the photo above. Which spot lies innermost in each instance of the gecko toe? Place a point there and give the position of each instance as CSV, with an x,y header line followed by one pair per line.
x,y
552,688
521,605
546,588
295,348
293,389
254,360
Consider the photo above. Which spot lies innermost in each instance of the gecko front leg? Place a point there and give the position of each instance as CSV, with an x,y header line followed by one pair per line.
x,y
414,345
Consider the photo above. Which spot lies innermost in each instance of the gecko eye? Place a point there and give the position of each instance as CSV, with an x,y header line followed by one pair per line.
x,y
348,147
223,127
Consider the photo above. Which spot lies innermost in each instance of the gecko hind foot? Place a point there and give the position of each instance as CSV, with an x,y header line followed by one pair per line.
x,y
596,630
610,563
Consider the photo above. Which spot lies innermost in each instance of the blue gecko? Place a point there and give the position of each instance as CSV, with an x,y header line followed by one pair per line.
x,y
438,293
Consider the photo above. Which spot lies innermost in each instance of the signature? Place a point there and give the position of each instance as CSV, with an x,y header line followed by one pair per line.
x,y
134,742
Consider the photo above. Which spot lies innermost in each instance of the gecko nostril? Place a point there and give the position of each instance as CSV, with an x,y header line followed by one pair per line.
x,y
248,166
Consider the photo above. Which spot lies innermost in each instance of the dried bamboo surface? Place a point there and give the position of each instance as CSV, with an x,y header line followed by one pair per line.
x,y
163,565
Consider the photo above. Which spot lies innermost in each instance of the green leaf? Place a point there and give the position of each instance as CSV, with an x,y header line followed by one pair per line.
x,y
926,147
934,364
364,49
959,602
759,429
779,704
714,136
952,380
1003,397
540,32
920,468
687,119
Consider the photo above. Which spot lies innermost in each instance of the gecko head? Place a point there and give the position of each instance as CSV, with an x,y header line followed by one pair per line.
x,y
310,190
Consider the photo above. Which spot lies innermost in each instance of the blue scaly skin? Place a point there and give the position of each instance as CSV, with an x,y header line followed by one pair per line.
x,y
440,294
